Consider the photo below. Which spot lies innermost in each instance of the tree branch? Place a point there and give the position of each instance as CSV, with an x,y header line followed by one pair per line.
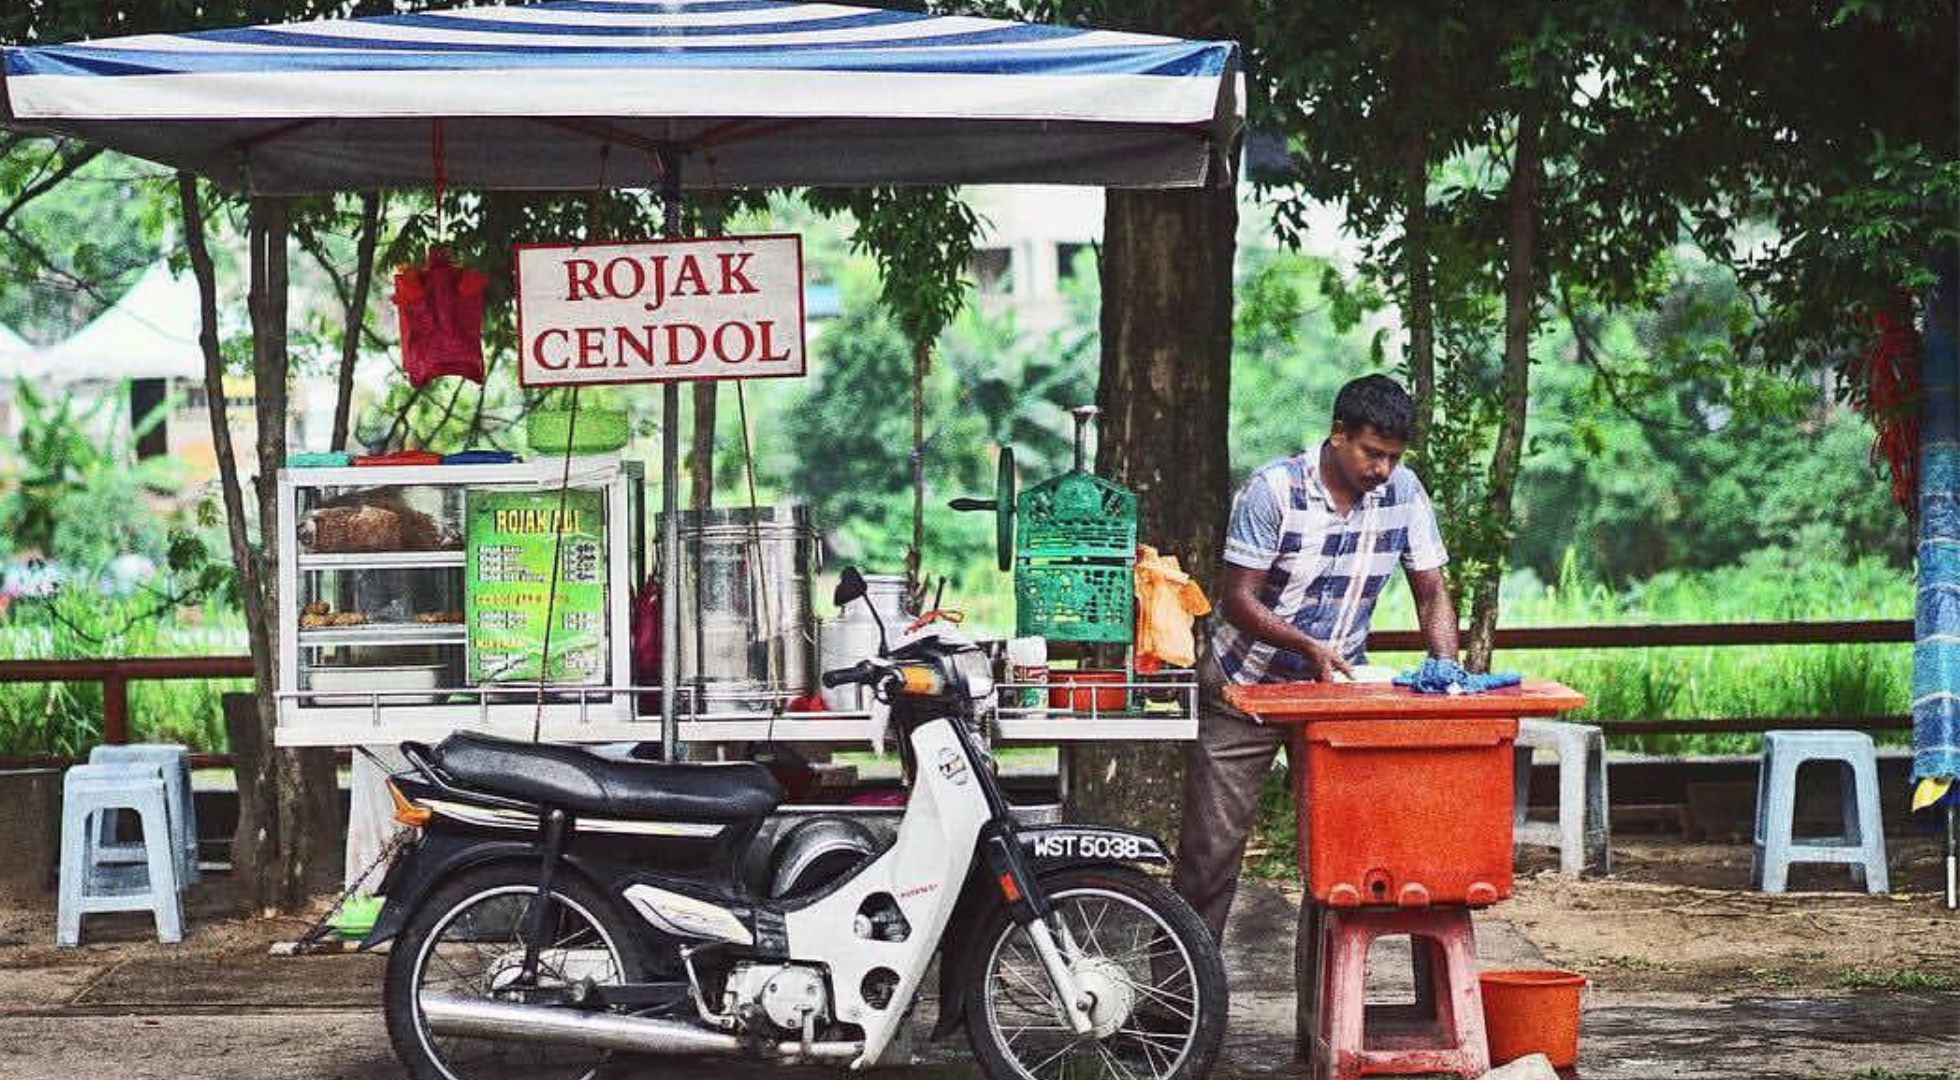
x,y
47,182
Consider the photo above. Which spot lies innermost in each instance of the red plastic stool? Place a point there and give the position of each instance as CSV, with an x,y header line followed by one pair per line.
x,y
1443,1032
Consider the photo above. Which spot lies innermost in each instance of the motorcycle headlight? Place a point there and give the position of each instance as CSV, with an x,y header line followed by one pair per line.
x,y
977,671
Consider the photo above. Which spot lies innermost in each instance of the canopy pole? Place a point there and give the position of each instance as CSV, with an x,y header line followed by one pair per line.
x,y
670,479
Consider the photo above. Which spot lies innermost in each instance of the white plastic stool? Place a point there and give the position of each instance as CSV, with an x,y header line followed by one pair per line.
x,y
88,884
1581,833
175,761
1862,844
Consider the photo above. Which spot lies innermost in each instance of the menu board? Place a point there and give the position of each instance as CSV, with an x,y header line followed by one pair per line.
x,y
510,539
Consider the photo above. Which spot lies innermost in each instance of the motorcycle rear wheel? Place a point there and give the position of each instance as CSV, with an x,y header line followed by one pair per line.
x,y
1140,951
468,939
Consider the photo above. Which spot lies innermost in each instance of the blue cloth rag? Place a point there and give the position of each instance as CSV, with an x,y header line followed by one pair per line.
x,y
1449,677
479,457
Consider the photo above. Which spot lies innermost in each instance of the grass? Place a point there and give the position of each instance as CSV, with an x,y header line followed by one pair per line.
x,y
1899,981
1703,683
65,719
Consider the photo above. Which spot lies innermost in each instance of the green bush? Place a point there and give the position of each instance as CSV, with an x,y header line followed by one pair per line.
x,y
65,719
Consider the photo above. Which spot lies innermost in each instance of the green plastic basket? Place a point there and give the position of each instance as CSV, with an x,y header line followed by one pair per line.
x,y
1074,601
596,431
1076,516
357,915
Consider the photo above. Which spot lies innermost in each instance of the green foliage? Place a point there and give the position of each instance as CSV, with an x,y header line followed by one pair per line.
x,y
1699,683
65,719
922,240
68,482
1906,980
1297,335
1643,462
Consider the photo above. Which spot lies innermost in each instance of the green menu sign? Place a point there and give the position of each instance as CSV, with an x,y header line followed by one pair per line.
x,y
510,537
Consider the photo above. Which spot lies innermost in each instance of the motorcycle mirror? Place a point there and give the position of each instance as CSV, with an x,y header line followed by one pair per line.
x,y
850,586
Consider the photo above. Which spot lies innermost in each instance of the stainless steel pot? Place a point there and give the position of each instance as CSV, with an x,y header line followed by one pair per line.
x,y
745,613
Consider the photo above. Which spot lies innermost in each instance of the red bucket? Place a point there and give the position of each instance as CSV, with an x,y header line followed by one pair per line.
x,y
1088,689
1532,1012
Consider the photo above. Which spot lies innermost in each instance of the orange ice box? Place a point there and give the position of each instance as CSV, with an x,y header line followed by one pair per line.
x,y
1405,798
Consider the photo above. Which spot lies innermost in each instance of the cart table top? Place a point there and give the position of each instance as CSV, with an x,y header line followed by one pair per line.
x,y
1300,702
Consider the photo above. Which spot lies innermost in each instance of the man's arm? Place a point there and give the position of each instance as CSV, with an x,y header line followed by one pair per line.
x,y
1241,607
1434,612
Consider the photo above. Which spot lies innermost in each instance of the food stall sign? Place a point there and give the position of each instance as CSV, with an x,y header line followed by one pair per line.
x,y
509,537
722,307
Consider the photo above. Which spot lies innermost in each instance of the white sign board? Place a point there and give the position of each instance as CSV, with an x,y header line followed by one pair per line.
x,y
722,307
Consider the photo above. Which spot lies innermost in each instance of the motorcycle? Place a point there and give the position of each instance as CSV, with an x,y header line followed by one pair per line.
x,y
562,914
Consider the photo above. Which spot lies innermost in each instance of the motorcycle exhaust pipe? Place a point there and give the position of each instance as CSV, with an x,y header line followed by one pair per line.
x,y
476,1018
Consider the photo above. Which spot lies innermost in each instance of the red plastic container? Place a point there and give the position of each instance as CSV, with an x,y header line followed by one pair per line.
x,y
1084,689
1533,1012
1405,812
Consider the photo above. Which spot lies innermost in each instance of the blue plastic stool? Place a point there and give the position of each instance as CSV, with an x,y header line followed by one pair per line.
x,y
88,884
1581,833
175,761
1861,846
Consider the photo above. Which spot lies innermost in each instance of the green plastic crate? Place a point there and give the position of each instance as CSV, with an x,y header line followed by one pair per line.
x,y
1074,601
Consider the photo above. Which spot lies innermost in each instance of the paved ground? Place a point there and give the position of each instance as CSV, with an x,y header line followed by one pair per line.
x,y
219,1007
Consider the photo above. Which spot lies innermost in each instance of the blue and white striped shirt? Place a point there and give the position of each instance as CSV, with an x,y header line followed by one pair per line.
x,y
1324,570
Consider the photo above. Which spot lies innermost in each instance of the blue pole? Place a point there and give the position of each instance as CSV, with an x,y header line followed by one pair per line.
x,y
1936,615
1936,647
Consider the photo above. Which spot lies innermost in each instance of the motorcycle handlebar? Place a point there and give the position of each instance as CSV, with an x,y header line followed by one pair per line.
x,y
863,672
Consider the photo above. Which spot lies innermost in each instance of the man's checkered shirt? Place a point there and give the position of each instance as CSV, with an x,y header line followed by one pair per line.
x,y
1324,570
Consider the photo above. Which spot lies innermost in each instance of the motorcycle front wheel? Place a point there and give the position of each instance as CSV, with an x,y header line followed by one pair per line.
x,y
1148,965
469,940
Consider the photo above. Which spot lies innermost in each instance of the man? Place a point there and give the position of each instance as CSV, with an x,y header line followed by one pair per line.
x,y
1312,540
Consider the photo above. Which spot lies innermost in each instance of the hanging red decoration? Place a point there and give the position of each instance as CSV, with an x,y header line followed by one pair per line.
x,y
1887,388
439,305
440,309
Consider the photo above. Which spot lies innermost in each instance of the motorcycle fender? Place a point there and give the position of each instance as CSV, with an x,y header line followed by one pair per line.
x,y
1048,848
420,868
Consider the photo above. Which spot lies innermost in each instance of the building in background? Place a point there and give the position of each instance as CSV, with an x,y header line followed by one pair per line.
x,y
1030,239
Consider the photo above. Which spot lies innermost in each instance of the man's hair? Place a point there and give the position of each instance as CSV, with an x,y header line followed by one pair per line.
x,y
1379,402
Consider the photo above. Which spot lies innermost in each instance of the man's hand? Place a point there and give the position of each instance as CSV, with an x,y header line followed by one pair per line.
x,y
1326,662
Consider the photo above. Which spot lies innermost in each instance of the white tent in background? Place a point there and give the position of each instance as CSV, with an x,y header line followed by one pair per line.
x,y
13,353
151,333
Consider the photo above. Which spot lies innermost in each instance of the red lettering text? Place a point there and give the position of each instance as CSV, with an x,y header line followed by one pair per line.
x,y
537,350
732,266
674,332
591,346
629,269
578,276
722,352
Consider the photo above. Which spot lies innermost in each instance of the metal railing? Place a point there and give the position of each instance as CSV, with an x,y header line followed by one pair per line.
x,y
1698,635
115,675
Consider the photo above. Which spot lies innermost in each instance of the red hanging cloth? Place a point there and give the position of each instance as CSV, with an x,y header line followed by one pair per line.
x,y
1886,384
440,311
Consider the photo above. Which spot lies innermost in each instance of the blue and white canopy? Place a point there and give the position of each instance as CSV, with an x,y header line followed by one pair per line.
x,y
568,94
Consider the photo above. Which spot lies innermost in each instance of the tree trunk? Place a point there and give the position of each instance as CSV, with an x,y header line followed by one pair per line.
x,y
1165,392
915,551
1421,313
255,842
701,460
1520,319
356,315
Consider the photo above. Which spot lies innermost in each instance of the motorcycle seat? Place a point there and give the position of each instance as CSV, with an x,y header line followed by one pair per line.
x,y
587,784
